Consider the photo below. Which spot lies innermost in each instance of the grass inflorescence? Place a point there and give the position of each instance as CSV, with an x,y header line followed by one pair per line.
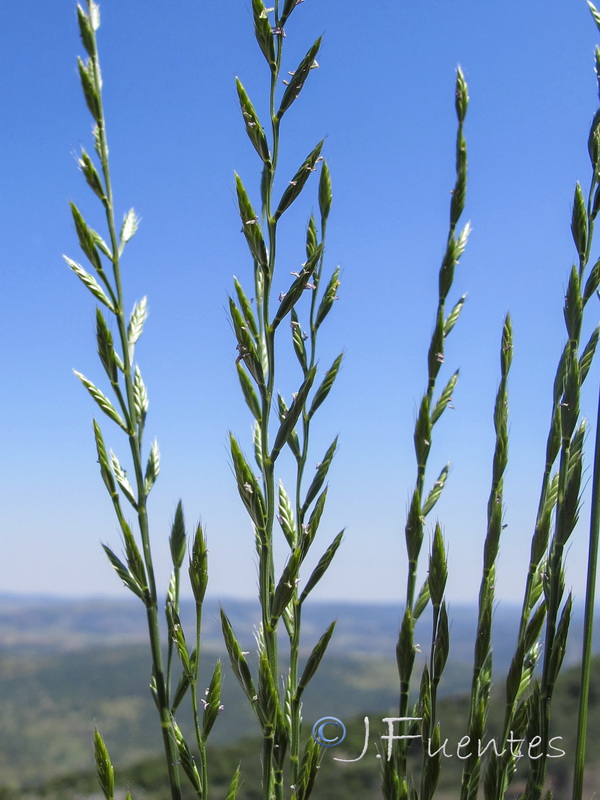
x,y
282,424
127,409
273,326
395,781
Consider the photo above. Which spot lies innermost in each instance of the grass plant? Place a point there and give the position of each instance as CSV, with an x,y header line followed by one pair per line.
x,y
277,321
396,782
546,614
127,410
281,424
594,537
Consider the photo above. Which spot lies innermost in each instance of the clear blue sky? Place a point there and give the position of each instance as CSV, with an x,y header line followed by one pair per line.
x,y
383,96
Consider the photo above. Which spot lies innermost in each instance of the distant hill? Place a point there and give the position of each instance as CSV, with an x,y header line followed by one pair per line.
x,y
66,665
146,778
35,623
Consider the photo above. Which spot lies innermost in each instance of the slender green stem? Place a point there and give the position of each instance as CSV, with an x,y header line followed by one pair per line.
x,y
482,670
170,644
425,422
200,740
135,442
588,624
256,332
590,593
295,723
266,556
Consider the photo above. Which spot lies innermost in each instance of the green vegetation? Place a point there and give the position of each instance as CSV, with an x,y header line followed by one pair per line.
x,y
146,778
279,424
53,692
274,683
282,421
127,410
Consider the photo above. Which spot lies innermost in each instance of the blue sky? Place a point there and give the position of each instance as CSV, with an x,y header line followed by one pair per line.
x,y
383,97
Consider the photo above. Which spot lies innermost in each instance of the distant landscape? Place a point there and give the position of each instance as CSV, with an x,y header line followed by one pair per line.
x,y
69,665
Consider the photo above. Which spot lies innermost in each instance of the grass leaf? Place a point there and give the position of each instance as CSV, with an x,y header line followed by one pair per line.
x,y
293,414
198,569
297,183
298,78
122,480
152,468
435,491
103,401
322,566
254,129
130,225
286,517
595,13
313,661
233,786
251,225
328,299
91,283
289,299
319,479
138,317
123,573
263,32
239,665
104,768
444,398
326,385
